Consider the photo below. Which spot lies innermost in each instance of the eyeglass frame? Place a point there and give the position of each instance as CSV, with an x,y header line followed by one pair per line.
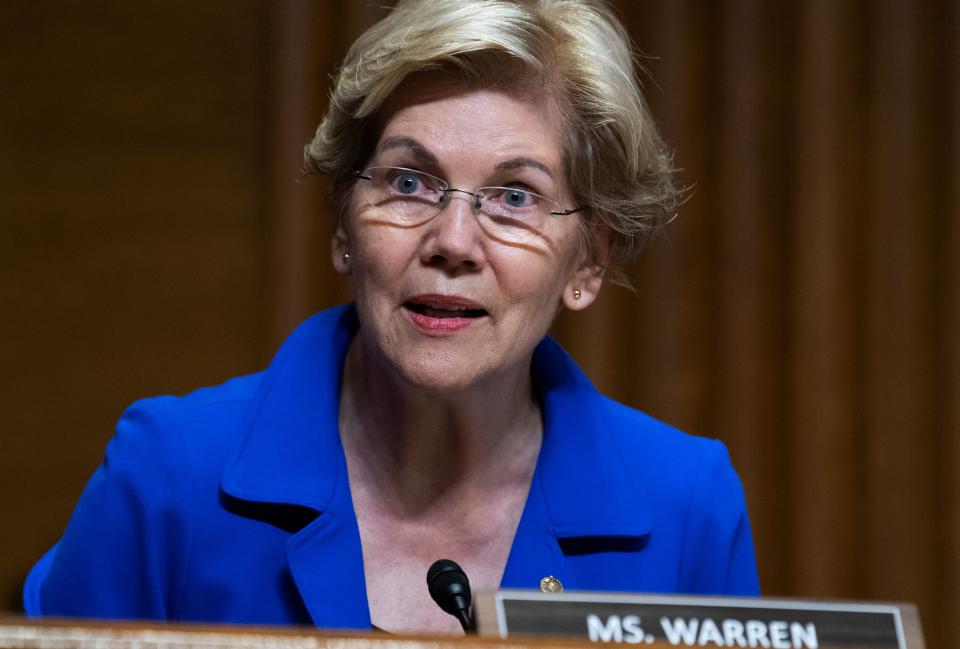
x,y
446,189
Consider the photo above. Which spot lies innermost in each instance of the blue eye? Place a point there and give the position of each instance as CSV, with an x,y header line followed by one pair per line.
x,y
407,184
516,197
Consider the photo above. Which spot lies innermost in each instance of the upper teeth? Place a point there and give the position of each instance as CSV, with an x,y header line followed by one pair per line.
x,y
449,308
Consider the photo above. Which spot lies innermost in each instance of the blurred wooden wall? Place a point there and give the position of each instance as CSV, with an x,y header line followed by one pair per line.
x,y
805,308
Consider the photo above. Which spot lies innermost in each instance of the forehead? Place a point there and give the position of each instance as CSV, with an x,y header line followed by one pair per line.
x,y
452,119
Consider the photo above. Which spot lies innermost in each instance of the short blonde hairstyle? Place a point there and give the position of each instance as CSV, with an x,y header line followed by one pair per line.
x,y
574,54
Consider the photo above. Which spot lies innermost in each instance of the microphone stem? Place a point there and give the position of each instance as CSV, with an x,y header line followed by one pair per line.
x,y
464,616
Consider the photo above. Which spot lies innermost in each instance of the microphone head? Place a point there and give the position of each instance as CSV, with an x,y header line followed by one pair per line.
x,y
449,586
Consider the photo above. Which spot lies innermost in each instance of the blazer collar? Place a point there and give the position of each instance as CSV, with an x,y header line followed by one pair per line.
x,y
292,454
587,487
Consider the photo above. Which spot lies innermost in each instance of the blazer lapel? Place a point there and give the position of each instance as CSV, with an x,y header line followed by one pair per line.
x,y
581,487
535,553
292,456
326,561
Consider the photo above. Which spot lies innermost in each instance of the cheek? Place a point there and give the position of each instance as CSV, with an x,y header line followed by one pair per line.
x,y
542,278
381,255
534,287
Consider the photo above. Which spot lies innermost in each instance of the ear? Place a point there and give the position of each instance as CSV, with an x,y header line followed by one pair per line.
x,y
583,287
340,249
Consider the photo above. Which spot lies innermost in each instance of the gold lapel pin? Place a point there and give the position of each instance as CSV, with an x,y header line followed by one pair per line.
x,y
551,584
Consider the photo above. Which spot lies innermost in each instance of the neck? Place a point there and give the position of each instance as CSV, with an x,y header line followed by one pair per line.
x,y
418,453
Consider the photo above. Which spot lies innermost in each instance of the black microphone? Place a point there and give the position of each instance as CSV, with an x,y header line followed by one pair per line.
x,y
450,589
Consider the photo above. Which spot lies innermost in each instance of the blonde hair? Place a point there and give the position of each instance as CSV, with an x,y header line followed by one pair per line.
x,y
574,54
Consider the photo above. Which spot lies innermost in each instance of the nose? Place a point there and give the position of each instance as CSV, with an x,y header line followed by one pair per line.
x,y
454,239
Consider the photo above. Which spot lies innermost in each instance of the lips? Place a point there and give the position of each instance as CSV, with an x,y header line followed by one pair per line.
x,y
445,306
439,315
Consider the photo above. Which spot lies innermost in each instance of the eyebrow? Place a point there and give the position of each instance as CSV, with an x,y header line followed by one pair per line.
x,y
422,152
407,143
519,163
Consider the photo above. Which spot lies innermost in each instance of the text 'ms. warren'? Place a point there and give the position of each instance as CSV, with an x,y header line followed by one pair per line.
x,y
702,632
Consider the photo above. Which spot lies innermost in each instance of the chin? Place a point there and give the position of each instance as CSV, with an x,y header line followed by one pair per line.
x,y
440,373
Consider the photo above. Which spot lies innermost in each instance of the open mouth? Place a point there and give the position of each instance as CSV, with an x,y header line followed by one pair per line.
x,y
437,310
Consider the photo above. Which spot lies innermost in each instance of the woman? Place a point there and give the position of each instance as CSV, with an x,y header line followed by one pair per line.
x,y
491,160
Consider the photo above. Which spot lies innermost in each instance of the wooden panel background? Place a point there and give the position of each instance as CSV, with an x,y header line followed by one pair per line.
x,y
131,229
805,308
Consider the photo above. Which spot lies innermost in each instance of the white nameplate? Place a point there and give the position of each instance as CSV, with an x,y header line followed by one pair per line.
x,y
679,621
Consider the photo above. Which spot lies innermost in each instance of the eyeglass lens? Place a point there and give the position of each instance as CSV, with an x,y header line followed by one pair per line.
x,y
408,197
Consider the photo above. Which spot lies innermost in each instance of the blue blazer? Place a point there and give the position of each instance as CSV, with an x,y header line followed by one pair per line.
x,y
233,504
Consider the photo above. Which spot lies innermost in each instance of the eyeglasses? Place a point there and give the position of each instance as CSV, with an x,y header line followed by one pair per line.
x,y
410,197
